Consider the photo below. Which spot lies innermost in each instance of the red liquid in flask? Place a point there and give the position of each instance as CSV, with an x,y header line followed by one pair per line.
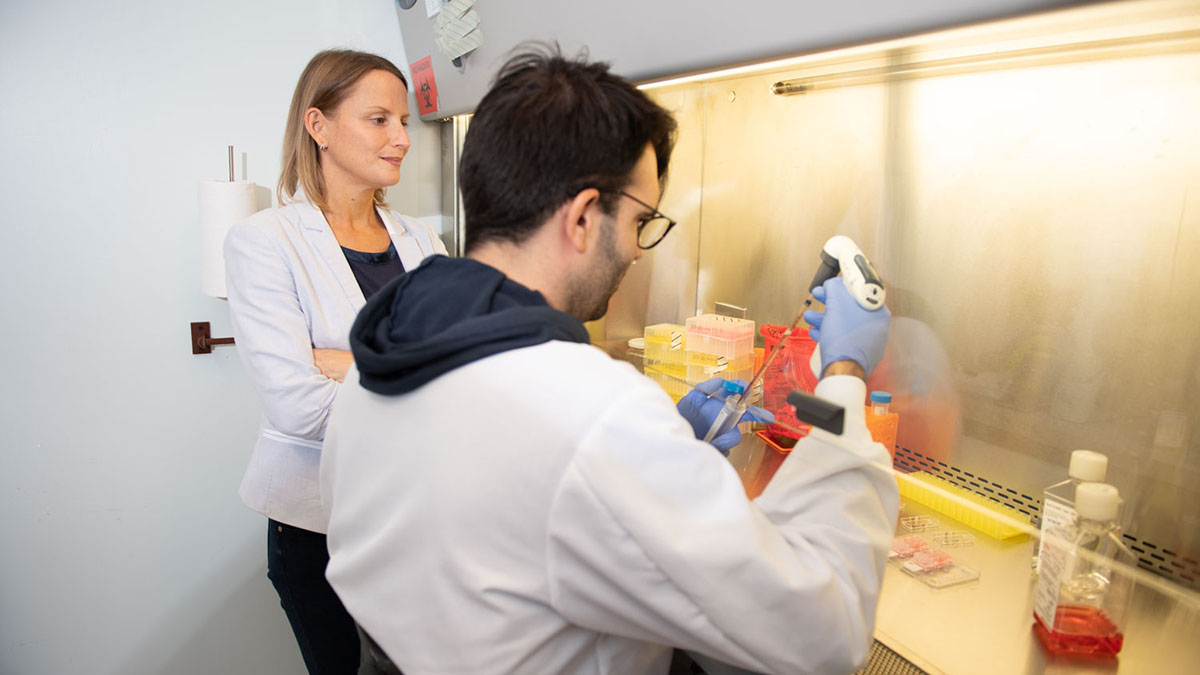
x,y
1082,631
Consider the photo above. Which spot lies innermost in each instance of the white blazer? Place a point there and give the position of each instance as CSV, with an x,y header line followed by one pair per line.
x,y
290,291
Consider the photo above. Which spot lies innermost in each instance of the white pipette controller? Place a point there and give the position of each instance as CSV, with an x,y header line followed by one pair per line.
x,y
840,255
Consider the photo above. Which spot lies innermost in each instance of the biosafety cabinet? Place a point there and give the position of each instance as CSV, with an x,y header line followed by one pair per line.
x,y
1026,178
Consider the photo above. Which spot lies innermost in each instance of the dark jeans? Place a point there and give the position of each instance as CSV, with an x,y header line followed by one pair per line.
x,y
327,636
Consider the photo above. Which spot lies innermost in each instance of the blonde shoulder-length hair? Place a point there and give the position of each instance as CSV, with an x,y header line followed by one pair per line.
x,y
324,84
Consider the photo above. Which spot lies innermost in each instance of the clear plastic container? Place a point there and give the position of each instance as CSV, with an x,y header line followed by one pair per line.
x,y
719,346
1058,500
919,523
670,376
665,357
929,560
731,412
701,367
1080,599
713,336
883,425
952,539
666,342
950,575
880,400
904,548
723,335
635,350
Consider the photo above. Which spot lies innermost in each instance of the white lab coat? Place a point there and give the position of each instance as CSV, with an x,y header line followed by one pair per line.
x,y
290,291
546,510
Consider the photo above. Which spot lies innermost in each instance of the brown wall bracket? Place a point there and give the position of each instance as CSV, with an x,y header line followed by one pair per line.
x,y
202,339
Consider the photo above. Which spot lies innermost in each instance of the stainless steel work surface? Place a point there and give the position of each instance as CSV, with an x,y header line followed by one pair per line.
x,y
985,626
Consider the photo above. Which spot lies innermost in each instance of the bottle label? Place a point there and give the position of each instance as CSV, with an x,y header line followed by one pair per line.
x,y
1054,557
1055,514
1052,563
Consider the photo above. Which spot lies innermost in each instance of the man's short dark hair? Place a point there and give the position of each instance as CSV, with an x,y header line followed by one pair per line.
x,y
548,128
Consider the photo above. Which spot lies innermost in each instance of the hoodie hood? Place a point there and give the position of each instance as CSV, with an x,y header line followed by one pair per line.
x,y
446,313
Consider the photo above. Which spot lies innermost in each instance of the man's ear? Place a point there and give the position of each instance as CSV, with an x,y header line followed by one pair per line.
x,y
582,219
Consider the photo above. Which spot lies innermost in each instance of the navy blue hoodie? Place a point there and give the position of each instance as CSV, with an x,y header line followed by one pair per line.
x,y
444,314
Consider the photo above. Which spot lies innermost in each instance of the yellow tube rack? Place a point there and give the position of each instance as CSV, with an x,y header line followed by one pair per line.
x,y
993,519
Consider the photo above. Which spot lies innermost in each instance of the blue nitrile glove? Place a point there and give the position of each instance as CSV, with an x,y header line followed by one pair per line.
x,y
701,405
845,330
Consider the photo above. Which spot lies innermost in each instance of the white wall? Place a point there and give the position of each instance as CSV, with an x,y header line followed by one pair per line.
x,y
123,545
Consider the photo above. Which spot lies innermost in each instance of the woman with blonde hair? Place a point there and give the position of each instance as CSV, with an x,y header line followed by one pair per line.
x,y
297,276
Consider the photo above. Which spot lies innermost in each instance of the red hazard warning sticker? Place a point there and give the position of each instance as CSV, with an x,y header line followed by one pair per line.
x,y
424,86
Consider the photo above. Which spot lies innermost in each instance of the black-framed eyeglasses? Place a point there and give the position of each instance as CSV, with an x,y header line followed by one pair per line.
x,y
651,228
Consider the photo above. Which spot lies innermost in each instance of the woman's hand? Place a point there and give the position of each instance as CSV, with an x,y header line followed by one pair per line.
x,y
333,363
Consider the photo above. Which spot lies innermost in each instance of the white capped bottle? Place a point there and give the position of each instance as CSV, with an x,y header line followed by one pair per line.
x,y
1058,509
1081,595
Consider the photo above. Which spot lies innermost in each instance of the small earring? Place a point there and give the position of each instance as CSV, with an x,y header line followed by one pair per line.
x,y
324,147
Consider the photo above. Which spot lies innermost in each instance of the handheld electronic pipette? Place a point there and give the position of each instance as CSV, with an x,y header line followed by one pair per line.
x,y
839,255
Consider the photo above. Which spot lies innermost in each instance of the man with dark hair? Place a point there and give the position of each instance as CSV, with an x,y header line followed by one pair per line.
x,y
505,498
548,129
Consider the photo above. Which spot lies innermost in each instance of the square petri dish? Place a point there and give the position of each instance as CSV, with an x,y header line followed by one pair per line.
x,y
905,547
949,576
919,523
929,560
952,539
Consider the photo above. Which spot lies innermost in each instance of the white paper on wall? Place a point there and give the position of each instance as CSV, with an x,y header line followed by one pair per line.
x,y
456,29
432,7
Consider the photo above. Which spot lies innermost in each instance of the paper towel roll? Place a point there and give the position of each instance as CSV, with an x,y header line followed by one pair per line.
x,y
222,203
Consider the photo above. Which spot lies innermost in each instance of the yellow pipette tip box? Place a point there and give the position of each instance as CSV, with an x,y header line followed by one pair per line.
x,y
946,498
